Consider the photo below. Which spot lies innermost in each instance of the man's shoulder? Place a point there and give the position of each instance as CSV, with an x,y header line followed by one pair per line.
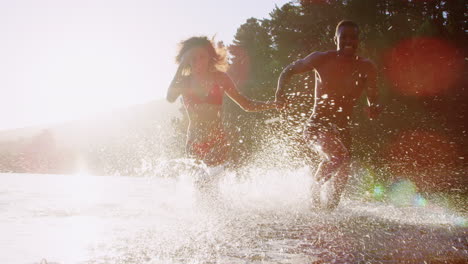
x,y
324,54
319,57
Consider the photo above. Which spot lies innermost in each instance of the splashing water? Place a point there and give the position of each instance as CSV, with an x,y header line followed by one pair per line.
x,y
252,215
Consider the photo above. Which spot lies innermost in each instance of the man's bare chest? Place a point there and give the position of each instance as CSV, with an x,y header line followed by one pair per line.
x,y
341,79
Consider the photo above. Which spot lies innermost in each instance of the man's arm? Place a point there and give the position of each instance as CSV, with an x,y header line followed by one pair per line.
x,y
300,66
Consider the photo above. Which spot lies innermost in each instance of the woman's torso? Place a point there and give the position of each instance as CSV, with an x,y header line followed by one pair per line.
x,y
203,100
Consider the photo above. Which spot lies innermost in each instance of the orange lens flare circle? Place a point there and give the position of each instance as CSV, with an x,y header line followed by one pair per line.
x,y
423,66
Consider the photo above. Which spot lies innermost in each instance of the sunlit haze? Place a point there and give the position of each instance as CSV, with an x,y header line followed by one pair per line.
x,y
64,60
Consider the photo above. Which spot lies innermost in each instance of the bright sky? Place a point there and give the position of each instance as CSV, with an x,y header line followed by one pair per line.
x,y
69,59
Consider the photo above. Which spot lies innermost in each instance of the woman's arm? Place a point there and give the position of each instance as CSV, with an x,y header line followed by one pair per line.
x,y
245,103
179,82
177,85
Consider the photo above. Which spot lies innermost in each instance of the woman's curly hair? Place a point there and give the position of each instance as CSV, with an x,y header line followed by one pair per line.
x,y
217,55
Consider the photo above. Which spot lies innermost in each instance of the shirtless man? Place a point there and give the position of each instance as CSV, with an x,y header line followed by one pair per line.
x,y
341,78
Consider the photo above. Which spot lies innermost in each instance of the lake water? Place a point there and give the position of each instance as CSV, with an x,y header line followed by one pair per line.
x,y
257,217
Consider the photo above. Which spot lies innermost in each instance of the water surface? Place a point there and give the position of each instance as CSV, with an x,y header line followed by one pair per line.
x,y
257,217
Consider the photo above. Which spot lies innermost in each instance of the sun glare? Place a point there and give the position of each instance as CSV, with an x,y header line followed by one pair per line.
x,y
423,66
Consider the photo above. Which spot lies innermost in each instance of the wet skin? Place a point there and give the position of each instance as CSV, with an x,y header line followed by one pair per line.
x,y
205,119
341,78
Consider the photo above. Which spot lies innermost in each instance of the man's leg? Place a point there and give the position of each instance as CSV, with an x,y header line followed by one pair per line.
x,y
334,165
338,183
333,154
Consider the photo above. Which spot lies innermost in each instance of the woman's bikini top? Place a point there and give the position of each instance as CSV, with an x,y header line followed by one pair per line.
x,y
214,97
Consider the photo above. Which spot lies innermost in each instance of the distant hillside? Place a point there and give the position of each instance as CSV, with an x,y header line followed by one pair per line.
x,y
114,142
107,125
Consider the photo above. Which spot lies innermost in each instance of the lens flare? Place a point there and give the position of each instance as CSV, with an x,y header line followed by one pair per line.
x,y
402,193
419,201
461,222
423,66
379,192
